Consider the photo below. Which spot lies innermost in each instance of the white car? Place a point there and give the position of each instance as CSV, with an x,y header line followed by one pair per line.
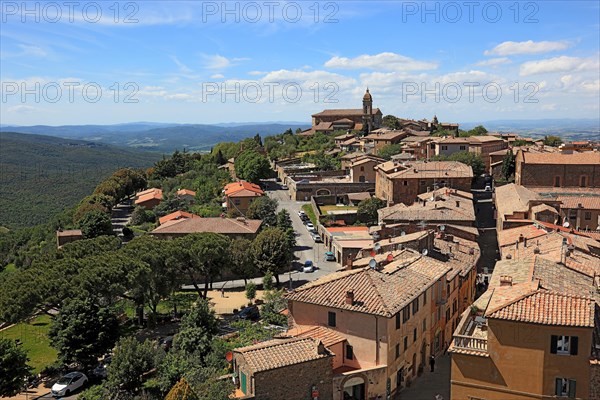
x,y
68,384
310,226
301,213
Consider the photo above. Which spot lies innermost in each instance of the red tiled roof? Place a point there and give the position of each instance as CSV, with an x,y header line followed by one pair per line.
x,y
548,308
149,194
247,189
188,192
176,215
278,353
586,158
344,112
586,202
217,225
327,336
69,233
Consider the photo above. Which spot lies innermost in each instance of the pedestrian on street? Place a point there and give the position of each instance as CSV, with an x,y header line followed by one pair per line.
x,y
432,362
222,292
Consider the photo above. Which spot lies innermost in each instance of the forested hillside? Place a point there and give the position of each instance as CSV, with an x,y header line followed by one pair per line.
x,y
41,175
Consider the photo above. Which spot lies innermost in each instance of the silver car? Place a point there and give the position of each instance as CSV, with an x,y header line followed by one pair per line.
x,y
68,384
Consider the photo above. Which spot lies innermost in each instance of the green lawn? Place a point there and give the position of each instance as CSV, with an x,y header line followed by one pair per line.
x,y
311,214
34,339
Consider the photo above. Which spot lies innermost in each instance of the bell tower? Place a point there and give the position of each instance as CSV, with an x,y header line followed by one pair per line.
x,y
367,112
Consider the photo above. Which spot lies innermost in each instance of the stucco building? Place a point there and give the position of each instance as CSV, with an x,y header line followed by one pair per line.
x,y
560,169
239,195
363,119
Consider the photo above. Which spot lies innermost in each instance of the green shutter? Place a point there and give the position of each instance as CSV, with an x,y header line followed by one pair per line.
x,y
243,382
572,385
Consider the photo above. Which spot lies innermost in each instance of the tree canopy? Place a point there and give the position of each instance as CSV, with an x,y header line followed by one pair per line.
x,y
252,166
13,368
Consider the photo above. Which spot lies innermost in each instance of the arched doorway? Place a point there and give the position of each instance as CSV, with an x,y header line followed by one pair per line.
x,y
323,192
414,365
355,388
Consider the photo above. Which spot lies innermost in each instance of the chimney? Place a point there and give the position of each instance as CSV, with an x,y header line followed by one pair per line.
x,y
457,203
521,237
506,280
524,242
350,297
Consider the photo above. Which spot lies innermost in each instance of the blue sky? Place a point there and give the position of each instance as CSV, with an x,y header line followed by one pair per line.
x,y
209,62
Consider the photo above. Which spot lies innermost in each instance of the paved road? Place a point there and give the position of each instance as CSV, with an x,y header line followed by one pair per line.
x,y
488,238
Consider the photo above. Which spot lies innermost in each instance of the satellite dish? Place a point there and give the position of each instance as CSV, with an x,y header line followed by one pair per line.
x,y
424,252
377,247
402,233
566,224
372,263
390,257
442,228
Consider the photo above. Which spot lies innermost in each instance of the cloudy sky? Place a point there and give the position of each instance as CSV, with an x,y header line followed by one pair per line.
x,y
209,62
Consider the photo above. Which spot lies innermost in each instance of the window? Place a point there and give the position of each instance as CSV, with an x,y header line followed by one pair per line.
x,y
361,178
557,181
425,297
415,335
349,352
583,181
564,345
362,169
454,307
331,318
444,147
587,215
565,387
415,305
405,313
398,321
405,343
397,350
405,183
463,147
424,325
236,202
422,183
447,314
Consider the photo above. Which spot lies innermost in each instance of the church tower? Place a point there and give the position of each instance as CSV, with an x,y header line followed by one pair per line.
x,y
367,112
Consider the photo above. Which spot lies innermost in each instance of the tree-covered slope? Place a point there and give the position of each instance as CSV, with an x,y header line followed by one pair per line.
x,y
41,175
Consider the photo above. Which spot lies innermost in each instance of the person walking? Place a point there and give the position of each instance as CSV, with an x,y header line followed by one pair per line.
x,y
432,362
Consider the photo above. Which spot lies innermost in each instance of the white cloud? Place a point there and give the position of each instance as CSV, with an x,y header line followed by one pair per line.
x,y
182,67
256,73
20,109
217,61
492,62
558,64
217,76
528,47
382,62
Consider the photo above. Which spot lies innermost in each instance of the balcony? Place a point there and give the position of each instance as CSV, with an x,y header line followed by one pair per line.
x,y
470,336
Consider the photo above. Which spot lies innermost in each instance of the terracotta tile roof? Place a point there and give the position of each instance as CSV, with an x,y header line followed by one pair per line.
x,y
376,292
508,237
182,192
327,336
149,194
443,209
429,169
548,308
543,207
217,225
513,198
345,136
343,121
243,189
484,139
177,215
343,112
585,158
277,353
390,135
586,202
70,233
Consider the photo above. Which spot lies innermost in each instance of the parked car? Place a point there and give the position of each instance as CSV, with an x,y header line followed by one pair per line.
x,y
329,256
68,384
101,371
316,237
310,226
301,214
250,313
308,266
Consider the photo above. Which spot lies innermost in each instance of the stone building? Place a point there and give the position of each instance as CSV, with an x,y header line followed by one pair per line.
x,y
401,182
363,119
291,369
561,169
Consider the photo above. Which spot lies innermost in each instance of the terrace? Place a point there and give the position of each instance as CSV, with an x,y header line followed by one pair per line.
x,y
470,336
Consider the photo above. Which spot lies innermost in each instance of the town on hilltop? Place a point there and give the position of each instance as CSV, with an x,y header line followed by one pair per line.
x,y
367,257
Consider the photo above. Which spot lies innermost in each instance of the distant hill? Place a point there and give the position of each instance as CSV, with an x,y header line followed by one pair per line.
x,y
159,137
41,175
567,129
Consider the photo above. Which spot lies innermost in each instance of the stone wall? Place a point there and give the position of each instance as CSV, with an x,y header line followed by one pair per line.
x,y
595,382
295,382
